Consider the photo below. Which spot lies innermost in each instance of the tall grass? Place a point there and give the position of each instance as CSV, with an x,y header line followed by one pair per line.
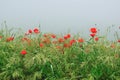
x,y
48,59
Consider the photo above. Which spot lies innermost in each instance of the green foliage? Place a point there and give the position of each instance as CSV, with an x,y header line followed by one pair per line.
x,y
94,60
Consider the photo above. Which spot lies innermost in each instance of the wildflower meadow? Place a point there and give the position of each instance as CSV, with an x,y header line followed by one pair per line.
x,y
33,55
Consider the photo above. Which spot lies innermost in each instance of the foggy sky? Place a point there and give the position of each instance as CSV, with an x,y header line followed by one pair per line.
x,y
60,15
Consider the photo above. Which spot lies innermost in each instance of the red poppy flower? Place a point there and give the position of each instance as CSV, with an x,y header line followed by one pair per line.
x,y
65,37
10,39
68,35
72,41
66,45
30,31
53,36
96,39
0,37
23,52
80,40
60,40
92,34
93,30
36,30
41,45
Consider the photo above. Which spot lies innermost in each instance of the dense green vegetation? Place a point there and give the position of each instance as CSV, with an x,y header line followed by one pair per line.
x,y
38,56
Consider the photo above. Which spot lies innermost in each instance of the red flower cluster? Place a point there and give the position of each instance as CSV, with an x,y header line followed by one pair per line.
x,y
53,36
67,36
30,31
60,40
80,40
10,39
72,41
66,45
93,31
23,52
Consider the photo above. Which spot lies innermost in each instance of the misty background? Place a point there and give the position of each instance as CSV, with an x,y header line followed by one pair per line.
x,y
62,16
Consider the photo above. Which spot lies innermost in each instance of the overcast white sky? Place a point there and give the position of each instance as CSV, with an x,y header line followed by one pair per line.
x,y
60,15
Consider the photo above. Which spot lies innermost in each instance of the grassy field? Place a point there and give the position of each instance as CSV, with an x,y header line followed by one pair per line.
x,y
34,55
